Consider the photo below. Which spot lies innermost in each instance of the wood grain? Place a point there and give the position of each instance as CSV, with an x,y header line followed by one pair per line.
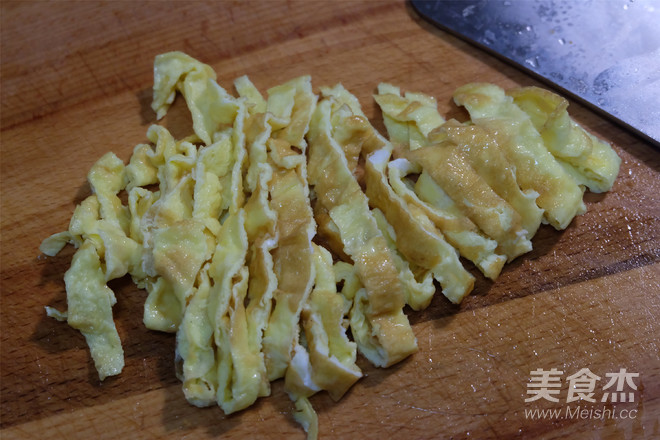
x,y
76,83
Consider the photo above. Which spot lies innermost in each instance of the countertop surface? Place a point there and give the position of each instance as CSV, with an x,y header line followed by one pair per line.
x,y
76,83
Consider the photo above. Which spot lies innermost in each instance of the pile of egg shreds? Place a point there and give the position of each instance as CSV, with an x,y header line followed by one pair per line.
x,y
222,228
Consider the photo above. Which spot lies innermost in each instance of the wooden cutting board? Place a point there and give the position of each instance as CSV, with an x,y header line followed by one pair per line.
x,y
76,83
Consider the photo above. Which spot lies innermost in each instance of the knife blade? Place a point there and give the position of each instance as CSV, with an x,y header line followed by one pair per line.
x,y
604,53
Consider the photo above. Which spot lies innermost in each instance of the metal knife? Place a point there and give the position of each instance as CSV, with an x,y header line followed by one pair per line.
x,y
605,53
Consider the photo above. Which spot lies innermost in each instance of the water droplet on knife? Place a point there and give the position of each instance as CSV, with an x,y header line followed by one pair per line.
x,y
533,62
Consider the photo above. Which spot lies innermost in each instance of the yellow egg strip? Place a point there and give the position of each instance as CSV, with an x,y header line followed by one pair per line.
x,y
260,226
257,132
300,113
120,253
178,253
349,124
353,133
235,380
293,267
339,192
331,354
169,70
249,321
261,288
211,107
238,386
426,127
172,159
195,354
81,226
381,339
536,169
139,202
242,379
90,302
255,103
219,364
212,177
447,167
163,309
352,289
193,185
416,237
53,244
430,199
289,191
84,217
140,170
342,97
350,127
417,282
483,153
106,178
589,160
306,417
98,227
234,191
409,119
